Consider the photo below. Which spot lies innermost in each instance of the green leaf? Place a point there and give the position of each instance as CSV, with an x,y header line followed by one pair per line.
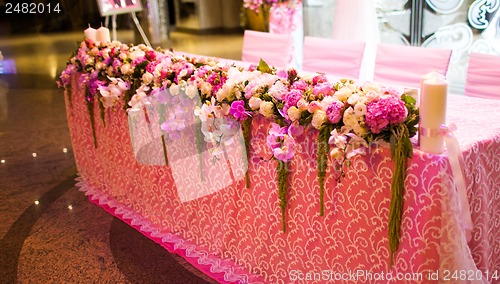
x,y
393,141
408,99
407,147
266,97
263,67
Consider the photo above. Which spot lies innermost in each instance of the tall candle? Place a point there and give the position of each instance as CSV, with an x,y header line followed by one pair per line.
x,y
433,93
90,33
103,34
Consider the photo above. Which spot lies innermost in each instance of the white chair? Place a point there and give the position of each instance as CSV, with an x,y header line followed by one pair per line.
x,y
336,57
275,49
405,65
483,76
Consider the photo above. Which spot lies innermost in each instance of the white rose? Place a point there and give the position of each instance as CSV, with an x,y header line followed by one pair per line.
x,y
343,93
319,117
350,118
122,56
360,109
302,104
174,89
94,51
99,65
266,108
353,99
206,88
371,87
191,91
294,113
254,103
183,73
105,53
147,78
136,54
125,69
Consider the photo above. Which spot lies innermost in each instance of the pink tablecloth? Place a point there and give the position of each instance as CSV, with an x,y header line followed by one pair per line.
x,y
234,235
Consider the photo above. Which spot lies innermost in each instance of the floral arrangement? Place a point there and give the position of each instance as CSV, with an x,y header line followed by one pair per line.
x,y
257,5
348,116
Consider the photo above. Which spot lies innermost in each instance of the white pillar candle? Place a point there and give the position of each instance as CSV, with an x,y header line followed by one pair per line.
x,y
90,33
103,34
433,93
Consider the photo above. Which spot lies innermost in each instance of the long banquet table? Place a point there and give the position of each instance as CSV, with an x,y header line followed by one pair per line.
x,y
234,235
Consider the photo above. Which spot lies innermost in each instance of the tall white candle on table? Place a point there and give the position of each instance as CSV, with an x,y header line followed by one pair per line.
x,y
90,33
103,34
433,93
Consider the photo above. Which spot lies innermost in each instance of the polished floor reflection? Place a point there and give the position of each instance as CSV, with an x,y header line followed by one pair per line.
x,y
49,232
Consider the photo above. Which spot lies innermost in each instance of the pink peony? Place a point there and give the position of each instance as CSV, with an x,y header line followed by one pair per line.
x,y
334,111
384,112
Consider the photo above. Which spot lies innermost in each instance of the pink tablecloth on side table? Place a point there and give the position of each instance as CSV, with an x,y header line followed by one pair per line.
x,y
234,235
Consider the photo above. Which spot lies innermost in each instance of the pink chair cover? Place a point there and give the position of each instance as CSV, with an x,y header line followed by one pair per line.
x,y
483,76
224,61
274,49
332,56
405,65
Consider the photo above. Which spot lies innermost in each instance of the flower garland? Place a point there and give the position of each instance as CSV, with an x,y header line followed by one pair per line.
x,y
348,116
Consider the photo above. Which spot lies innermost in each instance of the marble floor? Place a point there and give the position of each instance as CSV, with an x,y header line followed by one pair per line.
x,y
49,232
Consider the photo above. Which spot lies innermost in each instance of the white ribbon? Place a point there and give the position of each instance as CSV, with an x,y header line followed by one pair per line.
x,y
456,163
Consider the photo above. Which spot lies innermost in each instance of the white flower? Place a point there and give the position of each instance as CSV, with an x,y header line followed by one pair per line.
x,y
319,117
136,54
122,56
174,89
266,108
350,118
105,53
343,93
337,154
125,69
278,90
302,104
206,88
139,97
294,113
99,65
109,101
183,73
224,92
147,78
94,51
191,91
360,109
254,103
353,99
371,87
89,61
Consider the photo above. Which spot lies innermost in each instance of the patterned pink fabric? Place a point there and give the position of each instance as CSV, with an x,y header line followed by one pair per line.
x,y
237,231
274,49
405,65
483,76
341,58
